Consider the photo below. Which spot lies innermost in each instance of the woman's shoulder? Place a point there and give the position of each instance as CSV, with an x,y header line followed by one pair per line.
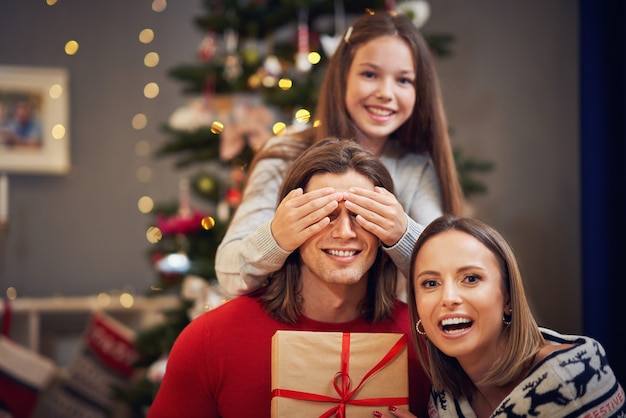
x,y
566,350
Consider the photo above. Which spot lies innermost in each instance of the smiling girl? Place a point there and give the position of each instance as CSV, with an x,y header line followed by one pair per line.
x,y
380,90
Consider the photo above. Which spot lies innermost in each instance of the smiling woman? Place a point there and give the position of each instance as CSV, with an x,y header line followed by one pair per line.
x,y
479,342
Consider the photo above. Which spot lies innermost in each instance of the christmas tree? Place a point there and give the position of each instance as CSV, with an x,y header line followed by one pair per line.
x,y
259,66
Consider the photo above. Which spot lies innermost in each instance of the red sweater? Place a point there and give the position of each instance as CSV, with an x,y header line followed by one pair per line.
x,y
220,365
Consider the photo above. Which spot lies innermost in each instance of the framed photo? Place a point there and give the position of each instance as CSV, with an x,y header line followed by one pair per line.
x,y
34,125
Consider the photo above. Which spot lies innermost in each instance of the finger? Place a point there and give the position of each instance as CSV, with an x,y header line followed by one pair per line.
x,y
326,192
395,412
364,197
400,412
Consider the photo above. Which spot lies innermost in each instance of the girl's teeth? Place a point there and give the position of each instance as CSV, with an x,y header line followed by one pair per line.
x,y
380,112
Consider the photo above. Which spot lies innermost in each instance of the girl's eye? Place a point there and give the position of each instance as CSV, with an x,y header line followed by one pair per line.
x,y
368,74
405,80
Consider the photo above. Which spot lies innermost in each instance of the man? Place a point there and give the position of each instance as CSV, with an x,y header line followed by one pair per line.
x,y
339,280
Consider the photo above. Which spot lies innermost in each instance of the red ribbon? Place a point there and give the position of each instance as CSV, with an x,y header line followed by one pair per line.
x,y
342,383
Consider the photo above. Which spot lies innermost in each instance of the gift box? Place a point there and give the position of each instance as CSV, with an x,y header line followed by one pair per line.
x,y
334,374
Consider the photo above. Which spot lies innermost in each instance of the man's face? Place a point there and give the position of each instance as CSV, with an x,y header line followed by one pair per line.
x,y
343,252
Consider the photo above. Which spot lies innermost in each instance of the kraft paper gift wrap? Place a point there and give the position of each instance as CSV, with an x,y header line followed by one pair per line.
x,y
307,379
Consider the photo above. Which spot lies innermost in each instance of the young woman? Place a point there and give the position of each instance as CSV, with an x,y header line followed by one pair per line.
x,y
483,349
380,90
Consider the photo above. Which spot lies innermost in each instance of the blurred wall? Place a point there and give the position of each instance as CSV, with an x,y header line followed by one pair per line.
x,y
510,89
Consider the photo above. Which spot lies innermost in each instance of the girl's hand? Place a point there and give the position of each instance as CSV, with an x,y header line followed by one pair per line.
x,y
301,215
378,212
395,412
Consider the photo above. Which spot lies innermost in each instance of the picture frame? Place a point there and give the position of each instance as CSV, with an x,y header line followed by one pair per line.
x,y
34,120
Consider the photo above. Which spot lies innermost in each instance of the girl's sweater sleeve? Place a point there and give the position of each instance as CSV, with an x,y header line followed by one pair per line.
x,y
248,253
417,190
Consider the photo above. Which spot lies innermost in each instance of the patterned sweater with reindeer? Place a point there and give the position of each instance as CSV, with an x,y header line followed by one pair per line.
x,y
576,382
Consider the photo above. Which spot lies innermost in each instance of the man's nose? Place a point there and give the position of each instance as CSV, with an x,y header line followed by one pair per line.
x,y
343,225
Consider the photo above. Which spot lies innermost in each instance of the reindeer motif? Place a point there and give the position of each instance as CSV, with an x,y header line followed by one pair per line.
x,y
507,410
604,361
538,399
581,380
440,398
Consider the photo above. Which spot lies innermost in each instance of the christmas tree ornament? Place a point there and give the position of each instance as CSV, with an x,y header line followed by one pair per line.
x,y
193,116
184,205
251,53
204,184
204,295
417,10
302,57
208,222
232,64
233,196
207,47
223,211
330,43
272,65
177,263
156,371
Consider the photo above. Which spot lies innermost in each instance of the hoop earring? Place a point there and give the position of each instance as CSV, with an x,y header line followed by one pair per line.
x,y
417,327
507,321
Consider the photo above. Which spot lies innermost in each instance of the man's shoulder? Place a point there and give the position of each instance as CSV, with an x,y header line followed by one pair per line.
x,y
236,309
400,314
401,307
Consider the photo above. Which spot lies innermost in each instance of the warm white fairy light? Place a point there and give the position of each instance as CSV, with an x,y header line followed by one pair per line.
x,y
146,36
159,5
285,83
151,59
145,204
71,47
139,121
279,128
314,57
151,90
55,91
58,131
127,300
154,235
11,293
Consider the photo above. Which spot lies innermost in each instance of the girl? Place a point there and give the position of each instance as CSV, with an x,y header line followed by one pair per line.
x,y
380,90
